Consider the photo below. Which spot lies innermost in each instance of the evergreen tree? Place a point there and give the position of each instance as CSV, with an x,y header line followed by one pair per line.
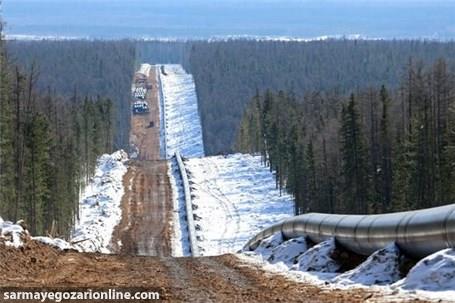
x,y
319,154
38,172
313,200
48,145
386,167
354,167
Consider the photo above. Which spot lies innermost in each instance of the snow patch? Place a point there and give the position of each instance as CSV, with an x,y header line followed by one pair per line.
x,y
99,208
14,235
281,268
289,251
266,247
234,197
275,250
55,242
11,233
145,69
381,268
433,278
318,258
433,273
183,131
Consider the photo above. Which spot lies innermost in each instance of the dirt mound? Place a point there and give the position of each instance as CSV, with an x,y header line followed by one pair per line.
x,y
208,279
19,264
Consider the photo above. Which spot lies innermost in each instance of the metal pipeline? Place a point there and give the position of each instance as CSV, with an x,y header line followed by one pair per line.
x,y
188,206
418,233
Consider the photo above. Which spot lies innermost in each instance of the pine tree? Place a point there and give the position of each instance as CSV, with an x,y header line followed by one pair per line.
x,y
327,191
422,178
38,172
400,178
386,167
375,154
310,162
442,99
354,167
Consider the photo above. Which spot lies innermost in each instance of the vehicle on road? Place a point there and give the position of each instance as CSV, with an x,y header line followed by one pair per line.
x,y
140,107
140,93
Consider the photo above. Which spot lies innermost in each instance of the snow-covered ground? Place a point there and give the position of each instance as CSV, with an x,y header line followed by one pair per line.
x,y
145,69
11,234
56,242
14,234
99,208
183,131
431,278
233,197
381,268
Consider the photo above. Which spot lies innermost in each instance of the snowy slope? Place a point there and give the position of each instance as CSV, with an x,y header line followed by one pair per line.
x,y
381,268
318,258
234,198
99,208
183,130
433,276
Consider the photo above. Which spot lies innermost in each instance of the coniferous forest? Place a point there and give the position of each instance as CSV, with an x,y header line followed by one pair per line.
x,y
347,125
228,73
372,150
54,123
83,68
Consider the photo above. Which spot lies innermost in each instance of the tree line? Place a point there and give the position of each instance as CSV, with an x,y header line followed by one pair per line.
x,y
49,144
372,150
226,73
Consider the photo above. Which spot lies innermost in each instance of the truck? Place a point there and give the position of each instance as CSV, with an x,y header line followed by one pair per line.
x,y
140,107
140,93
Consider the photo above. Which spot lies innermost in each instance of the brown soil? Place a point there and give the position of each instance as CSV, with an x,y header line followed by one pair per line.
x,y
146,209
208,279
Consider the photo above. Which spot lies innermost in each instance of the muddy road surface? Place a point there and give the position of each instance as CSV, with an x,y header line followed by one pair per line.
x,y
146,211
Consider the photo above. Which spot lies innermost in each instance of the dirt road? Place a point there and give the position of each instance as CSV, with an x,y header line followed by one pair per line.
x,y
142,135
144,229
209,279
147,204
